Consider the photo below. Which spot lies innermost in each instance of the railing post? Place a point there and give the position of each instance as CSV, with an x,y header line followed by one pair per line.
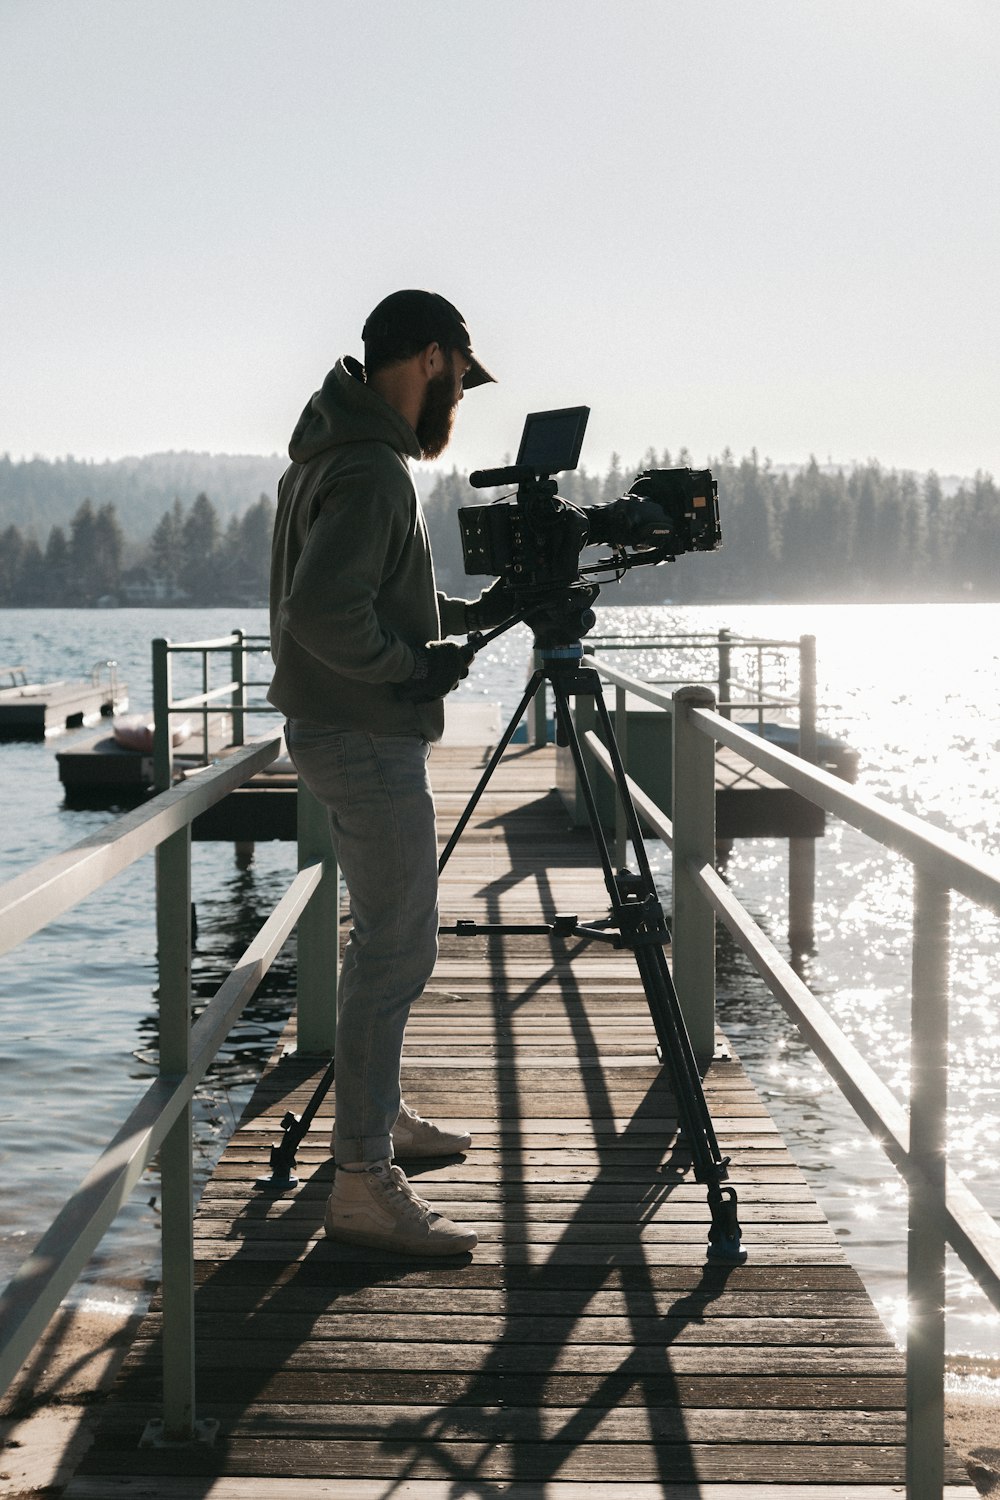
x,y
205,706
318,933
621,735
693,924
807,698
802,852
163,745
925,1268
760,690
725,674
239,676
173,936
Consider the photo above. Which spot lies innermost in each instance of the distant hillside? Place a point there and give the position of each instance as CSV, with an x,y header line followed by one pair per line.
x,y
38,493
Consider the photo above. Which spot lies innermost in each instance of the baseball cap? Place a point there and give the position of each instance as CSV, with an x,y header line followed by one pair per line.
x,y
425,318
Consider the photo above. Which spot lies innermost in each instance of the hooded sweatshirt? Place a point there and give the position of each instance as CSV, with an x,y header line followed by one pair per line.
x,y
352,580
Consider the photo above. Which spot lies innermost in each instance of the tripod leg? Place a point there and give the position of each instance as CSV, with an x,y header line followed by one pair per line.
x,y
683,1052
639,916
534,683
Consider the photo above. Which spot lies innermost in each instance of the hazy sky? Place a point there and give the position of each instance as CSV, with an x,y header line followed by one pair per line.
x,y
735,222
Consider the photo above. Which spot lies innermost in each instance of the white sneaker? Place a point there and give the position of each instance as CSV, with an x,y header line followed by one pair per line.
x,y
376,1206
413,1136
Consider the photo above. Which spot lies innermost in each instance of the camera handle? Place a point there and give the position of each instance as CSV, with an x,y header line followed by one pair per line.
x,y
637,922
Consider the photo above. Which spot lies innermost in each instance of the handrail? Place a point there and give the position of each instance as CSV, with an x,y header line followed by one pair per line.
x,y
688,642
942,1210
162,1121
49,1272
722,643
961,866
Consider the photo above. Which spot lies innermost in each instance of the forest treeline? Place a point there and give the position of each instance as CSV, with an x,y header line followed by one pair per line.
x,y
814,533
38,493
190,558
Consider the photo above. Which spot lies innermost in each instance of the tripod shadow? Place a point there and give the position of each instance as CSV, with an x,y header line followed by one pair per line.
x,y
545,1392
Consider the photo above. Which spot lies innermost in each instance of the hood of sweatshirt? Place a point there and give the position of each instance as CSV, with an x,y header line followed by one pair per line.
x,y
346,410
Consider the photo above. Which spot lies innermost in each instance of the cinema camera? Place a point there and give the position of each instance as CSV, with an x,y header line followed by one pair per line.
x,y
533,541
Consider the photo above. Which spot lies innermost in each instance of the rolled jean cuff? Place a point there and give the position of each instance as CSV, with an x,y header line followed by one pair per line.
x,y
366,1148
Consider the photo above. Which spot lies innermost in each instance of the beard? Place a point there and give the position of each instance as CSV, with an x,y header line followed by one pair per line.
x,y
437,415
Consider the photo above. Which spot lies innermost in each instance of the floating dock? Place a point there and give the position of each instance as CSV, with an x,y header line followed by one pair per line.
x,y
35,710
585,1348
97,771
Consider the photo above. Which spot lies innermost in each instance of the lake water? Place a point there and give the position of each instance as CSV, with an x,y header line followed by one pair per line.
x,y
914,689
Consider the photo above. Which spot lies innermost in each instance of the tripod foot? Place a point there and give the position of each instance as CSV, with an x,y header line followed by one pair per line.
x,y
283,1157
724,1236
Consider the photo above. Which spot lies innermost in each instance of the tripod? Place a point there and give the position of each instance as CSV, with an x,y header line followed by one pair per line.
x,y
636,922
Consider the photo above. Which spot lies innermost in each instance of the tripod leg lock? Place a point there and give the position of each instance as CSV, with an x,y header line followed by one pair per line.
x,y
724,1235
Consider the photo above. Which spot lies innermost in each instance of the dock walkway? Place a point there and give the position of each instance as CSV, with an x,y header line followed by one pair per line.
x,y
586,1343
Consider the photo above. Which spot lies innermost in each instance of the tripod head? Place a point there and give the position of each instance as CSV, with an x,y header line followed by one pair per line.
x,y
557,622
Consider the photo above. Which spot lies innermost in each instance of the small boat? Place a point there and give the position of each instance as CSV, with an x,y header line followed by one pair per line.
x,y
135,732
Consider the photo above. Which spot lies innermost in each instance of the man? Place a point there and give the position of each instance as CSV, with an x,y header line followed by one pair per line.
x,y
361,671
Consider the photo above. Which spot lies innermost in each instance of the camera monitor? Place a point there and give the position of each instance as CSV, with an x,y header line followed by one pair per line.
x,y
551,440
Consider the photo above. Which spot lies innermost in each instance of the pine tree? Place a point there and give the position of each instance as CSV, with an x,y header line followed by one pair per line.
x,y
56,564
200,543
108,543
32,581
83,555
11,555
166,545
254,551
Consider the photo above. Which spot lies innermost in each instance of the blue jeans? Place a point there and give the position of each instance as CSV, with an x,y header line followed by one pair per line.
x,y
378,796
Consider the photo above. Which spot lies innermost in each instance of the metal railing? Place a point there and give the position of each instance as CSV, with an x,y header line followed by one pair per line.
x,y
941,1211
231,694
749,674
162,1121
106,665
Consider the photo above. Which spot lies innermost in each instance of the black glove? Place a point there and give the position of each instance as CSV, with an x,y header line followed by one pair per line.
x,y
493,606
630,521
440,666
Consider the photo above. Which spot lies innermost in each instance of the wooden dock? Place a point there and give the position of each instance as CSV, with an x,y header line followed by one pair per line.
x,y
586,1348
99,772
36,710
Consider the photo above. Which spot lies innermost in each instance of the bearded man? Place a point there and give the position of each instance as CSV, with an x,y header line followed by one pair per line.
x,y
361,671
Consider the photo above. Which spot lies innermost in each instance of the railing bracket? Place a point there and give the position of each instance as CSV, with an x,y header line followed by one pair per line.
x,y
203,1435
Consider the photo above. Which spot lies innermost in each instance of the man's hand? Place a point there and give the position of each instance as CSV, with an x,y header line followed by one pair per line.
x,y
493,606
440,666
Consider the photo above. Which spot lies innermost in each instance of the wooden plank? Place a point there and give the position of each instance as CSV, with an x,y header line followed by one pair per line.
x,y
281,1325
534,1359
249,1300
448,1387
351,1488
643,1423
430,1457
